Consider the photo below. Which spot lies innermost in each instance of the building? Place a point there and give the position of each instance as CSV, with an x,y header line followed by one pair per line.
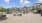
x,y
38,6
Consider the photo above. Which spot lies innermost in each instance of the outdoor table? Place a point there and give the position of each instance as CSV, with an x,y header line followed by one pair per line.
x,y
20,14
17,14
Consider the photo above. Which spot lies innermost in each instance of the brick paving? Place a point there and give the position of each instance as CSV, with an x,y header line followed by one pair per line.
x,y
25,18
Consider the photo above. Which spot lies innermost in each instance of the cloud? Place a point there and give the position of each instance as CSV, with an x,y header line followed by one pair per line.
x,y
6,1
13,3
36,2
25,2
40,1
21,1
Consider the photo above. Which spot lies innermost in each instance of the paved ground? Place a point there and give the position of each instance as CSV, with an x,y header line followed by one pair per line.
x,y
25,18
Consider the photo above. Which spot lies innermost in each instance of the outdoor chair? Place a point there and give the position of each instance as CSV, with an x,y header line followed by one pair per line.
x,y
3,17
41,14
0,16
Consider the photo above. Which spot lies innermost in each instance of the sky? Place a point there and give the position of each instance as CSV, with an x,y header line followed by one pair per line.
x,y
18,3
